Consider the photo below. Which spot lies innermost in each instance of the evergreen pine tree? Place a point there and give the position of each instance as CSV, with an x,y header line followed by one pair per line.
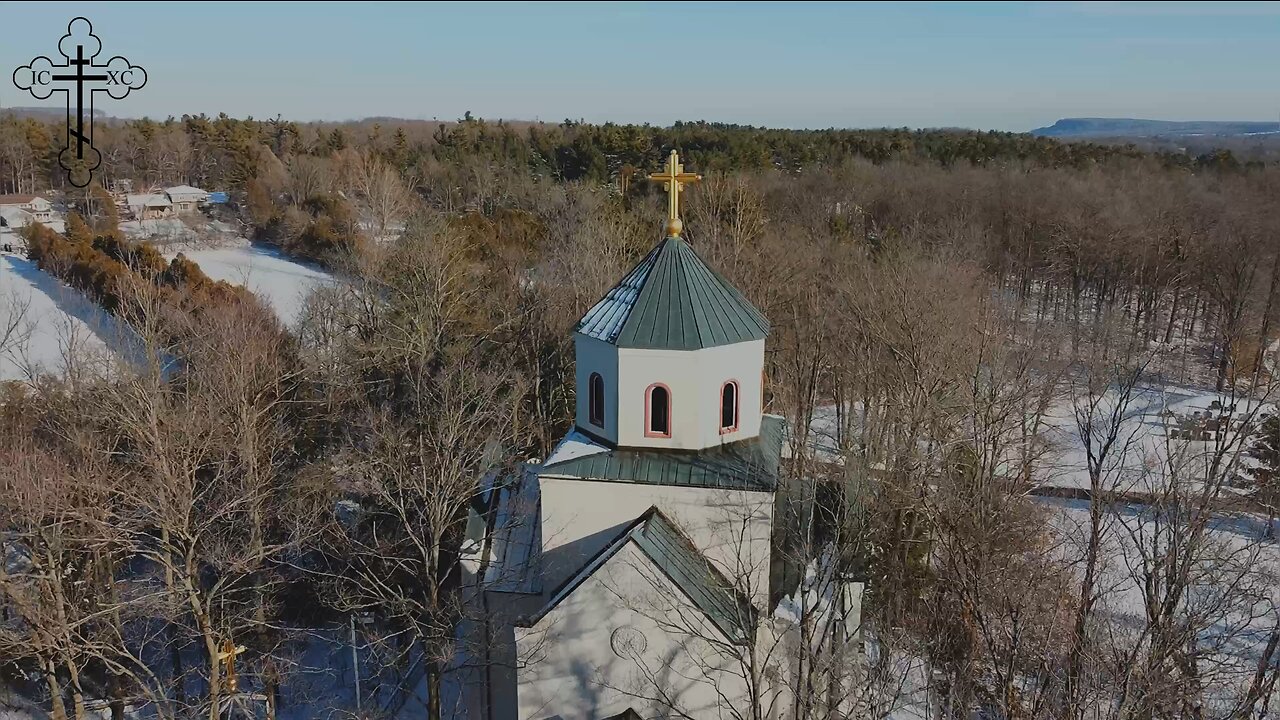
x,y
78,230
1266,474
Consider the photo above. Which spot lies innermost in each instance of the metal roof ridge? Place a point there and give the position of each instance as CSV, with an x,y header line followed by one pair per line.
x,y
588,568
702,596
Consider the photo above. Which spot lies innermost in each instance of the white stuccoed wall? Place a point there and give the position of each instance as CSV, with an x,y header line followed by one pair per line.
x,y
695,378
580,517
596,356
572,670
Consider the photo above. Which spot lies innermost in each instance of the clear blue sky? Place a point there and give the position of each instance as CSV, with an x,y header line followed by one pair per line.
x,y
982,65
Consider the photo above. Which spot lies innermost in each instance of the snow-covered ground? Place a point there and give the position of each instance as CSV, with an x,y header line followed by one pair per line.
x,y
160,229
47,320
1232,601
1146,437
282,282
185,229
223,254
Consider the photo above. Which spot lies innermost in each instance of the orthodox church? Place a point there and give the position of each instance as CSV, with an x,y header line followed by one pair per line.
x,y
628,574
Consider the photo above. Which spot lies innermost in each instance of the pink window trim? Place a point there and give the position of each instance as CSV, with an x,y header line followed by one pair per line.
x,y
737,406
648,405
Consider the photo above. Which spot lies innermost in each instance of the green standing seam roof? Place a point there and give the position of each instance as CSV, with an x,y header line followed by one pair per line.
x,y
671,300
750,464
674,554
690,570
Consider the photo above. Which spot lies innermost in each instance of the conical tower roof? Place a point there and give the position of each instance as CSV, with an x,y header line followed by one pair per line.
x,y
672,300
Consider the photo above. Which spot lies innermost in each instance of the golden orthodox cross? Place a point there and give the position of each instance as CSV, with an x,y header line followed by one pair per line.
x,y
673,177
228,657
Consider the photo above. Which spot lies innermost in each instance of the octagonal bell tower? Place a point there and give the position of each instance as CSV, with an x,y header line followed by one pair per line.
x,y
672,356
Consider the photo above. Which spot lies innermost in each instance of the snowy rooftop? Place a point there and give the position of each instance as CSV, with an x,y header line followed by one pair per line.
x,y
575,445
516,559
149,200
604,320
15,217
185,190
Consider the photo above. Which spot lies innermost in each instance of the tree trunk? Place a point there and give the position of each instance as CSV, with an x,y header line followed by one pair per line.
x,y
1085,609
171,631
271,688
1173,315
77,692
55,690
1266,321
433,689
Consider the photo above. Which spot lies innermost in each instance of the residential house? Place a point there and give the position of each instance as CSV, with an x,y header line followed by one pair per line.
x,y
12,218
185,198
37,207
150,206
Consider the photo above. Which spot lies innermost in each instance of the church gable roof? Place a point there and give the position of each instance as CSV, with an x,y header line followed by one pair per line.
x,y
750,464
672,553
672,300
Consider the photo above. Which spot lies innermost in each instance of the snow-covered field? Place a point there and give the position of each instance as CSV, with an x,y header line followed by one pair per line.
x,y
1144,442
282,282
1149,433
1232,602
42,320
1232,599
46,320
158,229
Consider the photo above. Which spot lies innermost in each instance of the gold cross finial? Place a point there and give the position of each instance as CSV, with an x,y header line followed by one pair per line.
x,y
228,657
673,177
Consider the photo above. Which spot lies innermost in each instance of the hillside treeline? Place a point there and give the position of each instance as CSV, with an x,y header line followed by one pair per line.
x,y
221,153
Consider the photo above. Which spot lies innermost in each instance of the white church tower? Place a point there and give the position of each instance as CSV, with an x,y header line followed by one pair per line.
x,y
660,500
672,357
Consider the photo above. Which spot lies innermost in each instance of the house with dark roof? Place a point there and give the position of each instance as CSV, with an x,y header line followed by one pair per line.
x,y
38,208
643,543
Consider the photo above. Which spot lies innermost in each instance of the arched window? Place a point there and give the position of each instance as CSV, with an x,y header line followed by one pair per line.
x,y
729,407
595,400
657,411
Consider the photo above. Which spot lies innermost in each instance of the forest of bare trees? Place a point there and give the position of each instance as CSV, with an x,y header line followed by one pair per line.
x,y
952,313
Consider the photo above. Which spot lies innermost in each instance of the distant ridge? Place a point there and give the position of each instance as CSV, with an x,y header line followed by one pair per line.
x,y
1132,127
42,113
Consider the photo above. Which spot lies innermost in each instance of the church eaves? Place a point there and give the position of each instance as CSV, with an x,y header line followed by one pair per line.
x,y
751,464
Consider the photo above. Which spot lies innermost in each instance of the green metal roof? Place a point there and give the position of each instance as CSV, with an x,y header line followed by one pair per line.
x,y
690,570
672,300
671,551
750,464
